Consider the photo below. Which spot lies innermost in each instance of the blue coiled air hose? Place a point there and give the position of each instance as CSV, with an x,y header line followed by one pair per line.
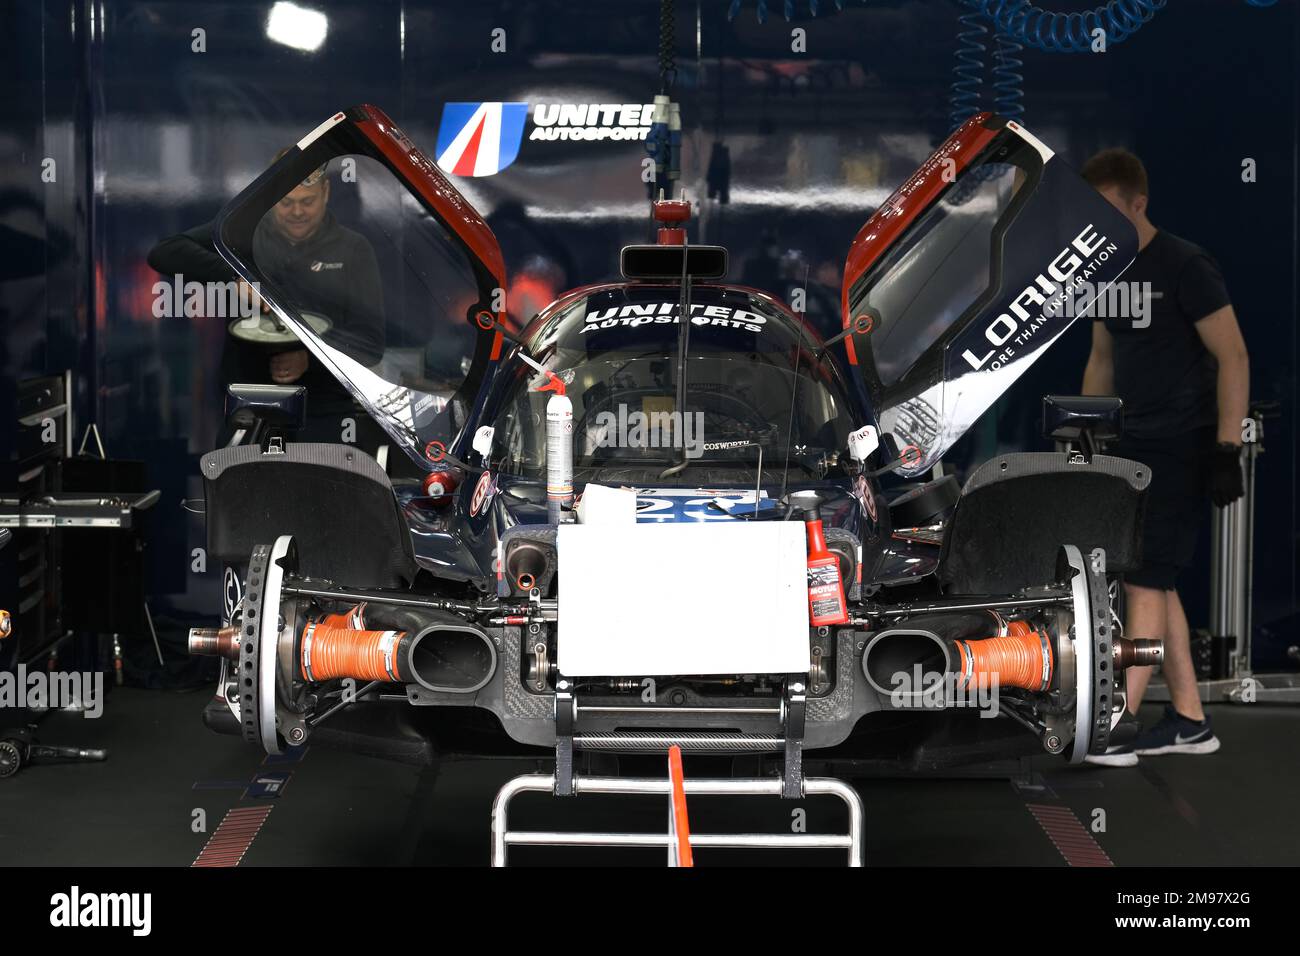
x,y
1031,25
968,84
967,87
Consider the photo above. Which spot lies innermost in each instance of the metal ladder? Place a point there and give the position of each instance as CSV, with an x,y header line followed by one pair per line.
x,y
503,837
570,737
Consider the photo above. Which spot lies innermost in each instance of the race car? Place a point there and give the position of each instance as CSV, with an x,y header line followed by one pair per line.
x,y
655,514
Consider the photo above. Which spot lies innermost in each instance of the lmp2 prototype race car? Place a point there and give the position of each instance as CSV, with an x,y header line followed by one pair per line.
x,y
608,531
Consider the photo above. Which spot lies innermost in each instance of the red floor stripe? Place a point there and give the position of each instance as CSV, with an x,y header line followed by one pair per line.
x,y
232,838
1069,836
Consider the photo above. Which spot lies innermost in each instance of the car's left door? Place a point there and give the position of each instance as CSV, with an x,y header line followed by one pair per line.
x,y
363,248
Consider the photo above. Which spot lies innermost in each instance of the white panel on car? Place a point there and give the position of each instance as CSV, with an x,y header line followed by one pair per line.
x,y
724,597
609,506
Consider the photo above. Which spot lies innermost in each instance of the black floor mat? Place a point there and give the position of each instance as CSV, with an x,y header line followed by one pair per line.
x,y
1235,807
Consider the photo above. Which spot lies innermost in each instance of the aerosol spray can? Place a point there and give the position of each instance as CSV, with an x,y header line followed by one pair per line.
x,y
559,451
826,603
559,444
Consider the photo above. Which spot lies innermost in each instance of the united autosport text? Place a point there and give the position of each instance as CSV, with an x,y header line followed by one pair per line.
x,y
1016,326
591,121
665,313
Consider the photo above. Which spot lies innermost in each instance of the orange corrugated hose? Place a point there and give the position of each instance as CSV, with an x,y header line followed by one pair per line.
x,y
353,618
1023,658
335,646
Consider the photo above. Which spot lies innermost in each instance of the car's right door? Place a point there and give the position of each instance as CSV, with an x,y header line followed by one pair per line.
x,y
962,278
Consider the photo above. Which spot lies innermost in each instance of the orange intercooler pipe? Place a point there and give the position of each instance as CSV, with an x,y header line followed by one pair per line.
x,y
337,645
1022,658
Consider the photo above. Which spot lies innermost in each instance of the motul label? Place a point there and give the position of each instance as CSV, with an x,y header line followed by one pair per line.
x,y
826,604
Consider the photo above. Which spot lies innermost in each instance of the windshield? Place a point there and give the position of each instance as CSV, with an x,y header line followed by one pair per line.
x,y
616,350
955,286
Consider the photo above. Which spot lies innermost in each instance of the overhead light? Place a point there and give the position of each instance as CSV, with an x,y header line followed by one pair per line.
x,y
296,26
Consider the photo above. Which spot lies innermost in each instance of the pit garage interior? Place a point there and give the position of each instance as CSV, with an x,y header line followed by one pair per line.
x,y
133,122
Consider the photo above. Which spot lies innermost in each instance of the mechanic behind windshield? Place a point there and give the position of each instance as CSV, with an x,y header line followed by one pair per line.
x,y
617,352
323,268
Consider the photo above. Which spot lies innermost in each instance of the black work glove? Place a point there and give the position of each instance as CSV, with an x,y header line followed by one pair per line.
x,y
1226,483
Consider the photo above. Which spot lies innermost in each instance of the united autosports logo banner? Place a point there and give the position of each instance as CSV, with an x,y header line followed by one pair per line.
x,y
481,139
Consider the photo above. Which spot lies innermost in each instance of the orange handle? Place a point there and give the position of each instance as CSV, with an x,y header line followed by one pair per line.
x,y
681,825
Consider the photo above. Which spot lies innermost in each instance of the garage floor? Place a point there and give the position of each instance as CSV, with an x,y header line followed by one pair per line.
x,y
140,808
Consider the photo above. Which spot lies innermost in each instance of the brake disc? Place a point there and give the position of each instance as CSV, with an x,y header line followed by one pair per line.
x,y
1094,680
260,631
1105,682
250,632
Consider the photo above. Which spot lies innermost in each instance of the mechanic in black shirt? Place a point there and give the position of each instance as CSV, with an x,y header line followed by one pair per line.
x,y
322,267
1179,364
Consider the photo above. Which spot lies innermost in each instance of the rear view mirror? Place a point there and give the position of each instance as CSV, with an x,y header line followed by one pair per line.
x,y
1069,417
665,262
279,406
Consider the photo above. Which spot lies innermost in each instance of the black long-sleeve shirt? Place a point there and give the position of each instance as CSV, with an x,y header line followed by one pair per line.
x,y
333,273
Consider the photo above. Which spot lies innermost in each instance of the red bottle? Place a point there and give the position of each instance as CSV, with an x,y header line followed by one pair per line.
x,y
826,603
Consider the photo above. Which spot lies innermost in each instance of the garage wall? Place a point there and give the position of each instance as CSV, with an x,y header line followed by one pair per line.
x,y
153,126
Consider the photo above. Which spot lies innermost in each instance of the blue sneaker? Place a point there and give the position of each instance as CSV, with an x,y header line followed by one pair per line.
x,y
1176,734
